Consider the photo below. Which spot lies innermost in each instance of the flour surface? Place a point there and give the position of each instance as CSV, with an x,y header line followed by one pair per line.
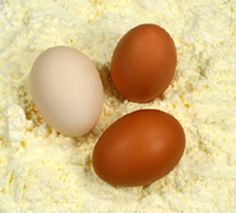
x,y
43,171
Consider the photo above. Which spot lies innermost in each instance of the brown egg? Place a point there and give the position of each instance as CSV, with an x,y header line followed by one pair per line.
x,y
139,148
143,63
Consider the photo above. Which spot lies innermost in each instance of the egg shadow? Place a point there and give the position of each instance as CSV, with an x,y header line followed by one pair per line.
x,y
108,85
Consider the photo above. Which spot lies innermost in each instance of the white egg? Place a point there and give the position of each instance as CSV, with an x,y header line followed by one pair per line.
x,y
67,90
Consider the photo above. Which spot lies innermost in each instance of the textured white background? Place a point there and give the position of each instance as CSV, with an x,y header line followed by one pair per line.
x,y
43,171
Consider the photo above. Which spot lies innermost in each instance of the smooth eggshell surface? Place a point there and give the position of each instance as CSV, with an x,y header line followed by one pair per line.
x,y
139,148
143,63
67,90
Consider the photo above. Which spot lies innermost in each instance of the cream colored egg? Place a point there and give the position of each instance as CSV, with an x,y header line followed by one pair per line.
x,y
67,90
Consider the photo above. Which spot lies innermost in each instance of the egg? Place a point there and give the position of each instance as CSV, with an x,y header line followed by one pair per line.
x,y
67,90
139,148
143,63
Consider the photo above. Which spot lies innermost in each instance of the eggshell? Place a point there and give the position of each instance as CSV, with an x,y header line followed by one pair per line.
x,y
67,90
139,148
143,63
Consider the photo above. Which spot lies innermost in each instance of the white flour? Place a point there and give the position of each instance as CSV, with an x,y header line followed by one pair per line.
x,y
42,171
